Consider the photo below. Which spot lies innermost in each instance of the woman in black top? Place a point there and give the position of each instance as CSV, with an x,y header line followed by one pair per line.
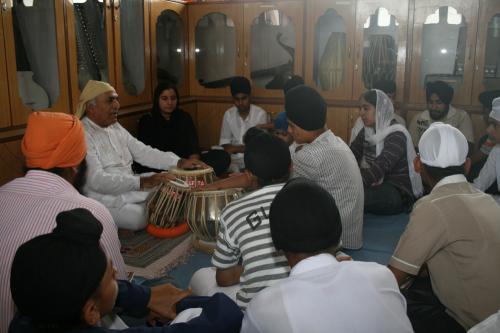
x,y
169,128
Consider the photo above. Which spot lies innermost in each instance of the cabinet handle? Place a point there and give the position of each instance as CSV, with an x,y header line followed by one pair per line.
x,y
349,52
470,52
238,52
356,67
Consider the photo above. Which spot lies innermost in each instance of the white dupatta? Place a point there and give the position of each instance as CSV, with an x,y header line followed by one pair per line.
x,y
383,117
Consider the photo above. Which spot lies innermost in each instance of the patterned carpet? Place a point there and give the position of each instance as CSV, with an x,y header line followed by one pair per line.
x,y
151,257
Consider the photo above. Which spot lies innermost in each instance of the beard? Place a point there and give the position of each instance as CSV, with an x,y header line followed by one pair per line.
x,y
80,177
438,114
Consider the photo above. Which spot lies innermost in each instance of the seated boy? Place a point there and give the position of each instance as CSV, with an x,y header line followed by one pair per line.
x,y
63,282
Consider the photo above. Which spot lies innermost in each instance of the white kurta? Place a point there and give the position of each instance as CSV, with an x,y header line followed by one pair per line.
x,y
110,153
234,128
490,172
323,295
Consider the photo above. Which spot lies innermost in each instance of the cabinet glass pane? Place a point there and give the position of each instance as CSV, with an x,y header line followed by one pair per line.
x,y
329,51
215,50
443,47
170,47
492,55
132,45
380,47
272,50
36,53
91,48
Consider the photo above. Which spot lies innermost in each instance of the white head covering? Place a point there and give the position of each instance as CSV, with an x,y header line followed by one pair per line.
x,y
384,114
495,109
442,146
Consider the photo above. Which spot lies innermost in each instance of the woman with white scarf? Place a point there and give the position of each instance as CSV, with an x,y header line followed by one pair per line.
x,y
385,154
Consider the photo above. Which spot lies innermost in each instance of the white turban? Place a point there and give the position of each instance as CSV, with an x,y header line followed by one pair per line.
x,y
442,146
495,109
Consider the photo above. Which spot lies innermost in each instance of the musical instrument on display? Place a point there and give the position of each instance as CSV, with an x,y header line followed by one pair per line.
x,y
166,206
195,178
203,210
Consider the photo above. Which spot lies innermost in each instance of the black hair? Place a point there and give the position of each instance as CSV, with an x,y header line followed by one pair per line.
x,y
292,82
437,173
371,97
160,88
440,88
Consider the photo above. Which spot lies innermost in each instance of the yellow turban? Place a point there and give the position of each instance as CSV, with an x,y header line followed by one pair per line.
x,y
53,140
92,90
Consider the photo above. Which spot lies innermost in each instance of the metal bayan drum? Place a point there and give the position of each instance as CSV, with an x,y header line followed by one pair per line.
x,y
203,209
195,178
166,206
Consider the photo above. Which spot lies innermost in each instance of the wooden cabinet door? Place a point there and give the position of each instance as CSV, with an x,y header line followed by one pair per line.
x,y
87,58
374,59
220,29
168,42
132,60
34,59
323,51
487,75
4,83
446,55
273,35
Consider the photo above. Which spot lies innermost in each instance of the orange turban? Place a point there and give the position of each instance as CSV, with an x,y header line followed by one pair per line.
x,y
92,90
53,140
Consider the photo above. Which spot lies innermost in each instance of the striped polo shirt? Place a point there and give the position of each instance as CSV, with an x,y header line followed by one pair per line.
x,y
330,163
245,235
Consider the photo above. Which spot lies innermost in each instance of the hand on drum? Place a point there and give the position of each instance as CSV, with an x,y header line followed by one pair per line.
x,y
162,302
156,179
191,164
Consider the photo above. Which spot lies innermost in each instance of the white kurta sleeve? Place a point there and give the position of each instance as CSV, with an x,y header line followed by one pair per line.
x,y
149,156
488,173
226,136
98,180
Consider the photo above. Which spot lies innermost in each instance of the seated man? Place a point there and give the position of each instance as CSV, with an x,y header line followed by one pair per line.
x,y
111,152
439,95
237,120
485,143
452,241
322,295
63,282
245,259
490,173
54,149
319,155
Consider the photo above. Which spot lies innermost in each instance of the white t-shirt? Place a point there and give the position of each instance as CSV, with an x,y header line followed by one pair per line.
x,y
323,295
234,128
457,118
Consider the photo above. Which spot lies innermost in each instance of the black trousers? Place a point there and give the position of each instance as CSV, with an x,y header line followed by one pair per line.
x,y
386,199
426,313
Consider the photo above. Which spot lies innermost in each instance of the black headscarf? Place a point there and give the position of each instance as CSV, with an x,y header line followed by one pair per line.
x,y
240,85
53,275
440,88
305,107
304,218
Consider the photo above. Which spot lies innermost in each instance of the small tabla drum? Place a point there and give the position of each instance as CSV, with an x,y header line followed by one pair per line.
x,y
203,210
195,178
166,206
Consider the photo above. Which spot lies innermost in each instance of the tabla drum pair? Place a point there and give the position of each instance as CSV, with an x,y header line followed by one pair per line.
x,y
177,203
